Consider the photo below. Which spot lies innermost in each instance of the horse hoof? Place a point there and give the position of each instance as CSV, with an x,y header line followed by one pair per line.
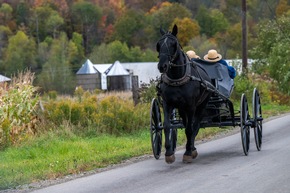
x,y
194,154
187,159
170,159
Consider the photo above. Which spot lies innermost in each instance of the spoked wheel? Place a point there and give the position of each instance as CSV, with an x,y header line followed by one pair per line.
x,y
156,128
258,119
245,124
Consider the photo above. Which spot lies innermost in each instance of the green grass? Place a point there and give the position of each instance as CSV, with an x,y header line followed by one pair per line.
x,y
273,110
55,155
63,152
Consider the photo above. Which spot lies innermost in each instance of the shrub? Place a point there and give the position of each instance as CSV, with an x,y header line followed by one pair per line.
x,y
266,86
148,91
110,114
242,85
52,95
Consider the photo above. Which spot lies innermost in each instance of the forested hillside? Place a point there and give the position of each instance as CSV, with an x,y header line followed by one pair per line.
x,y
54,37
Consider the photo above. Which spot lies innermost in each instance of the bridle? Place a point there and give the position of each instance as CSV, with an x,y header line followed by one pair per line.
x,y
171,57
164,38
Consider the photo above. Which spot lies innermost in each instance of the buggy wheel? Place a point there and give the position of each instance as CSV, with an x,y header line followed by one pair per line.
x,y
156,128
245,124
258,119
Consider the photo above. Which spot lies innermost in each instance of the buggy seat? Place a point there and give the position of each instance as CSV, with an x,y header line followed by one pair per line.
x,y
219,75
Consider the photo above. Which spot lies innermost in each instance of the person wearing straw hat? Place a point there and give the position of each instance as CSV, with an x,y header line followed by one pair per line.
x,y
192,55
213,56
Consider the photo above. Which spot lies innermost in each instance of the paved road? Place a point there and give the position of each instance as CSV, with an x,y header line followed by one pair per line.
x,y
220,168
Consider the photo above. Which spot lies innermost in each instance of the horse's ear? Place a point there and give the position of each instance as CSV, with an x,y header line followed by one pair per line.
x,y
174,30
162,31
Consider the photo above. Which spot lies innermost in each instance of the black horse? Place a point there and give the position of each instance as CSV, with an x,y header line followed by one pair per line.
x,y
182,87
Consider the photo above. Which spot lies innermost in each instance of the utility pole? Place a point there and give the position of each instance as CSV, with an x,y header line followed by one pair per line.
x,y
244,36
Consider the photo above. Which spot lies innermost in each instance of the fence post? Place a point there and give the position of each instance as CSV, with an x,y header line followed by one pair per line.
x,y
135,88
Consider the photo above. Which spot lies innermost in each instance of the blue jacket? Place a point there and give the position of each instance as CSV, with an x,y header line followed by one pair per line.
x,y
232,70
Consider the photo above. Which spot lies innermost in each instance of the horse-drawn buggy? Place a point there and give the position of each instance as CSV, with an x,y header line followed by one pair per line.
x,y
192,95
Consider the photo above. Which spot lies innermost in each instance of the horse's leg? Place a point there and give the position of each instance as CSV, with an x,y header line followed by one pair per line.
x,y
169,153
187,156
196,125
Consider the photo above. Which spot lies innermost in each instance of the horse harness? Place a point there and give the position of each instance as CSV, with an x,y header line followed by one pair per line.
x,y
188,77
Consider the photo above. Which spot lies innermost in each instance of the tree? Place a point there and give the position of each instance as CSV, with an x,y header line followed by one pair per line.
x,y
109,53
54,21
282,8
22,14
20,54
127,27
100,54
6,17
5,13
165,15
272,51
80,55
187,29
86,17
230,42
143,5
118,51
201,44
211,21
5,32
258,10
45,21
56,73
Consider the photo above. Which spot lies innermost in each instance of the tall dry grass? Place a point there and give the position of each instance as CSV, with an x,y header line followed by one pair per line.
x,y
18,102
108,112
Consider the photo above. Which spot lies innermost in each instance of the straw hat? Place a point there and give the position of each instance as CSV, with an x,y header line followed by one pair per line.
x,y
191,54
212,56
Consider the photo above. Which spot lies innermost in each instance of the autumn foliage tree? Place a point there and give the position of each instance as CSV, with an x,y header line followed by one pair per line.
x,y
187,29
118,30
165,15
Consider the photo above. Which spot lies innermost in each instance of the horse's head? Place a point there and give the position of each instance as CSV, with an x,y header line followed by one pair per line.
x,y
167,48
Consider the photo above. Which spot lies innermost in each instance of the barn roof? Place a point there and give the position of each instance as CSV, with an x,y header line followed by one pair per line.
x,y
87,68
144,70
102,67
116,69
4,78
